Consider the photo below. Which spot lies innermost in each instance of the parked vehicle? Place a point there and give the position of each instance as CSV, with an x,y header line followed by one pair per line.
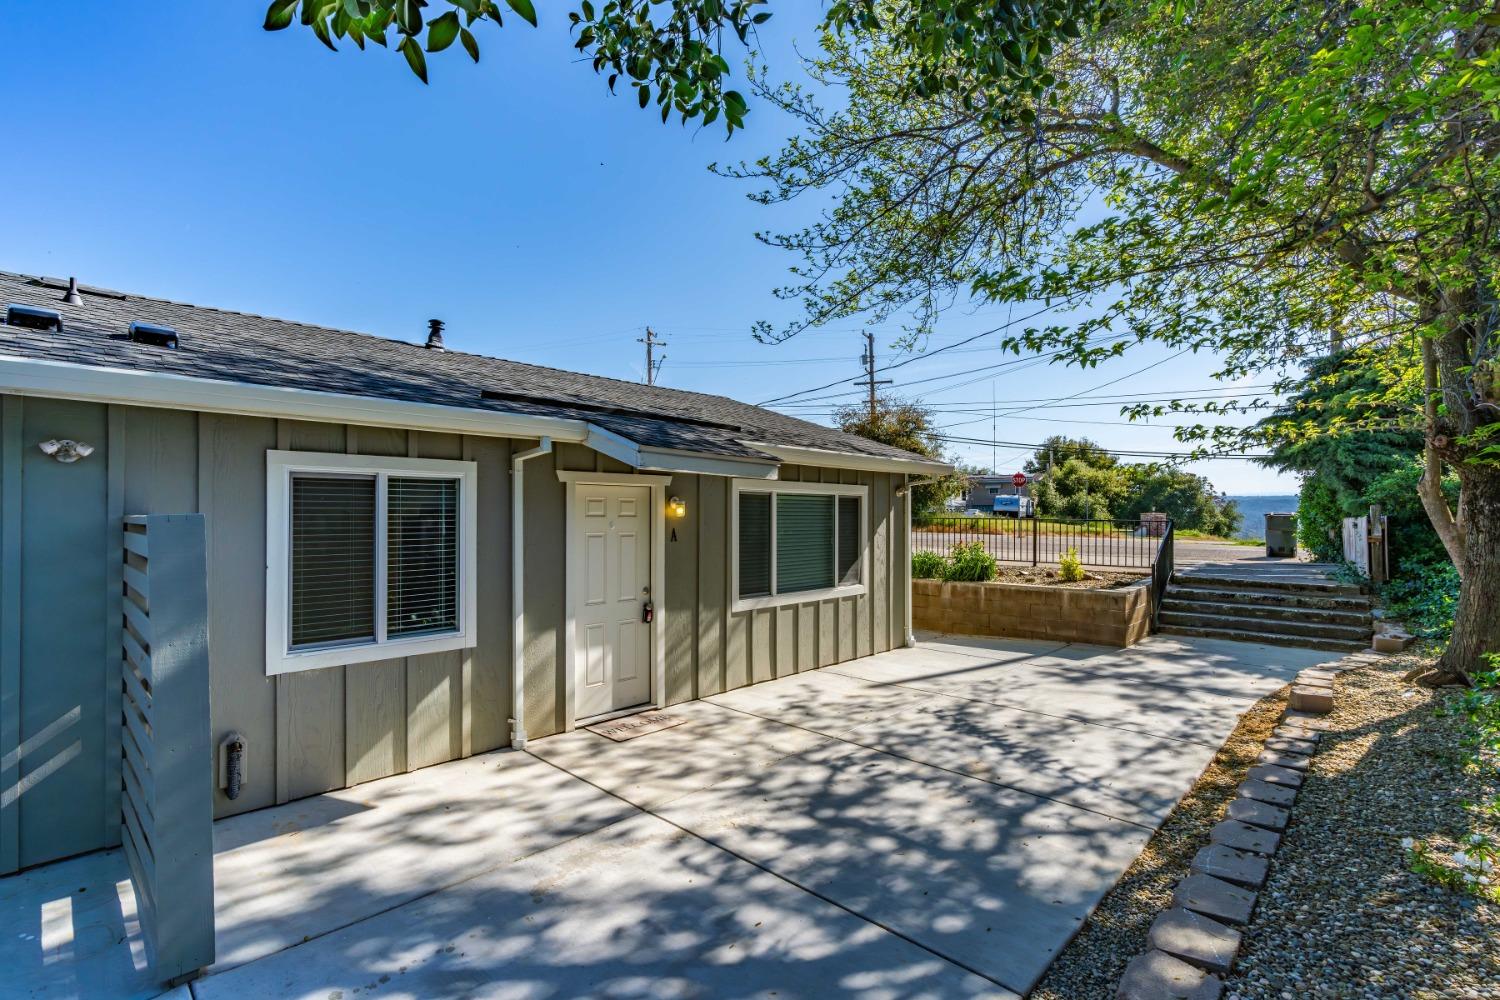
x,y
1014,506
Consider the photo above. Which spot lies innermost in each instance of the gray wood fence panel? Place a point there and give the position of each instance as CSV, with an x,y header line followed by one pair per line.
x,y
232,497
168,812
10,630
64,652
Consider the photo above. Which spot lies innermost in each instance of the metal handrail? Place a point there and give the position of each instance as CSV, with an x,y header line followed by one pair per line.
x,y
1161,573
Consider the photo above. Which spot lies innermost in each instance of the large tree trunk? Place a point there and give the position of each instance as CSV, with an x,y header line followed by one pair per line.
x,y
1476,627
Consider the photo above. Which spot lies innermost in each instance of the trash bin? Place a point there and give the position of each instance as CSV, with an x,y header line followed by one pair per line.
x,y
1281,534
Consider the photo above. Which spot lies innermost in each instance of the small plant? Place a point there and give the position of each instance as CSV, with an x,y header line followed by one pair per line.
x,y
927,566
1070,567
970,563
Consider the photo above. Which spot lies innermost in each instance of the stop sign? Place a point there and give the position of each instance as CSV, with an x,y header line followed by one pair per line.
x,y
1019,479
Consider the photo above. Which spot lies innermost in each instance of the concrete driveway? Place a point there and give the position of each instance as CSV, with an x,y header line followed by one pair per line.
x,y
930,822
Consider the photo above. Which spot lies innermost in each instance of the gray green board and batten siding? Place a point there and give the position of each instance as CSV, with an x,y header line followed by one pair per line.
x,y
318,730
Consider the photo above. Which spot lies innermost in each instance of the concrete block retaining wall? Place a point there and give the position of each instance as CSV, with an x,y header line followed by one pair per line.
x,y
1119,617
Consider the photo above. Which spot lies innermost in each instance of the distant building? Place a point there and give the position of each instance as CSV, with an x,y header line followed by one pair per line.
x,y
984,489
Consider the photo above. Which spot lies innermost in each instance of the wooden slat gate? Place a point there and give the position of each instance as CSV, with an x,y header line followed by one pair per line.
x,y
167,800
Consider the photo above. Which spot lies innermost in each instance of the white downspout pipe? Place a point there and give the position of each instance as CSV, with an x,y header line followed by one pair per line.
x,y
517,590
905,491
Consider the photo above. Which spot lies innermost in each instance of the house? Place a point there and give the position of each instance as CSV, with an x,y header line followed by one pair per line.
x,y
983,490
409,554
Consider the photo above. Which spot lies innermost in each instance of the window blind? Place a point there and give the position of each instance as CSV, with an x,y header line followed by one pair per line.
x,y
804,542
421,556
849,548
333,559
755,544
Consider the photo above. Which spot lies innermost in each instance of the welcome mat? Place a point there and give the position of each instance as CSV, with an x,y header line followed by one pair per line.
x,y
632,726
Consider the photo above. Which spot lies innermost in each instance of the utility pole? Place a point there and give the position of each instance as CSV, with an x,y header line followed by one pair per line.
x,y
868,360
653,364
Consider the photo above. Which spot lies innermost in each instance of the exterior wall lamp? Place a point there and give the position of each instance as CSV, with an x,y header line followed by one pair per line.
x,y
677,507
66,451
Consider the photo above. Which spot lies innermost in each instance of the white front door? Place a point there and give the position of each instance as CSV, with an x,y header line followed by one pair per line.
x,y
612,642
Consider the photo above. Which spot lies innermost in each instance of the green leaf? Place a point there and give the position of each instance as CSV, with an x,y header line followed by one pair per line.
x,y
643,94
466,37
525,9
414,57
409,17
442,31
279,14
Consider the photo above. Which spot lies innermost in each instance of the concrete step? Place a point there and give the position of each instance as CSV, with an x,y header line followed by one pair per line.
x,y
1190,591
1251,607
1308,584
1265,638
1357,634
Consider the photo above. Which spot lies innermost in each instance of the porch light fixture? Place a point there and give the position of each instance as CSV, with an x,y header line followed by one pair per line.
x,y
677,507
66,451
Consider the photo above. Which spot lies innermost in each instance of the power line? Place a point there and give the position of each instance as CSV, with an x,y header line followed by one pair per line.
x,y
1119,453
870,380
652,366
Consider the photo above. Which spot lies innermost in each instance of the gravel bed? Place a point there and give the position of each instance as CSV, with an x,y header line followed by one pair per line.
x,y
1091,965
1341,916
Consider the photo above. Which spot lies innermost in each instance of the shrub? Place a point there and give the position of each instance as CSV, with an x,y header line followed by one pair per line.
x,y
1070,567
927,566
1424,596
970,563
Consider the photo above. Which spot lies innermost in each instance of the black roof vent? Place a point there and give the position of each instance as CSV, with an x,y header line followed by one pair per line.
x,y
72,297
156,336
434,335
33,318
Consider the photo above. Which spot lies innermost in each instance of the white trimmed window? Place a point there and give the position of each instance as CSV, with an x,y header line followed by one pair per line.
x,y
797,542
367,558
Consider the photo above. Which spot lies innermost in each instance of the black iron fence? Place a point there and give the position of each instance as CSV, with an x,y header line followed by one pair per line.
x,y
1122,544
1161,573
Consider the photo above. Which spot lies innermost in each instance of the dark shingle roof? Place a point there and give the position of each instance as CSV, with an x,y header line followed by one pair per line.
x,y
257,350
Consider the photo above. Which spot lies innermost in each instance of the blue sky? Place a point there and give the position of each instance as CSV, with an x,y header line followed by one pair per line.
x,y
180,151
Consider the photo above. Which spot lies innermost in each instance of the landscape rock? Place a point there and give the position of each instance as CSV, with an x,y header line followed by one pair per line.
x,y
1214,897
1195,939
1256,813
1276,795
1244,837
1158,976
1230,865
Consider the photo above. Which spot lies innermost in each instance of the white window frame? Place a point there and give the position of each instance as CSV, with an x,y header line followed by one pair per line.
x,y
774,600
280,467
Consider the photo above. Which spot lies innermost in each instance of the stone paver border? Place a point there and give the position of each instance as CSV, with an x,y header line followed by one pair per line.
x,y
1196,940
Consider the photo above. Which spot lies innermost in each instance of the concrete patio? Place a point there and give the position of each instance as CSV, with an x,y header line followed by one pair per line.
x,y
929,822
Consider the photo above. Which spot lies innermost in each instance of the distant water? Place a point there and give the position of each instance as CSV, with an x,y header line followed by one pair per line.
x,y
1253,511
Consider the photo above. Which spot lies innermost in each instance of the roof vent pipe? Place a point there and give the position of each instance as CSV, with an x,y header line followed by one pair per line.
x,y
434,335
72,298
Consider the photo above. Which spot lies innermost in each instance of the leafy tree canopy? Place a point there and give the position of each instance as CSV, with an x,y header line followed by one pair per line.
x,y
910,426
1081,480
671,51
1274,177
1059,448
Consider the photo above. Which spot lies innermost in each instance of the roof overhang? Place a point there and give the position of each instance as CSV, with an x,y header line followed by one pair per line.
x,y
852,460
66,380
647,458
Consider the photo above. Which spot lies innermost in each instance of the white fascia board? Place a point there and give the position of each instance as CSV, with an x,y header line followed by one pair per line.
x,y
67,380
707,465
616,446
851,460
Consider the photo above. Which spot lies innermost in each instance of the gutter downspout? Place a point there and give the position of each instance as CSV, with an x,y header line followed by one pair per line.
x,y
517,590
905,490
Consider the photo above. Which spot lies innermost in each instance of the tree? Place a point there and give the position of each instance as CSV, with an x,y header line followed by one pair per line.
x,y
677,45
1058,448
910,426
1270,179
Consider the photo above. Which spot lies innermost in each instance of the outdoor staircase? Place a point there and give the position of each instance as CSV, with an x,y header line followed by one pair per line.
x,y
1311,614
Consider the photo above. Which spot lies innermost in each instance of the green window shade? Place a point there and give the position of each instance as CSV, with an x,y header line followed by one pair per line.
x,y
421,556
333,559
755,544
849,547
804,542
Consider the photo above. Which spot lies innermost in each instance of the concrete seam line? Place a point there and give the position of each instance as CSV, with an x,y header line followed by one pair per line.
x,y
794,883
948,770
